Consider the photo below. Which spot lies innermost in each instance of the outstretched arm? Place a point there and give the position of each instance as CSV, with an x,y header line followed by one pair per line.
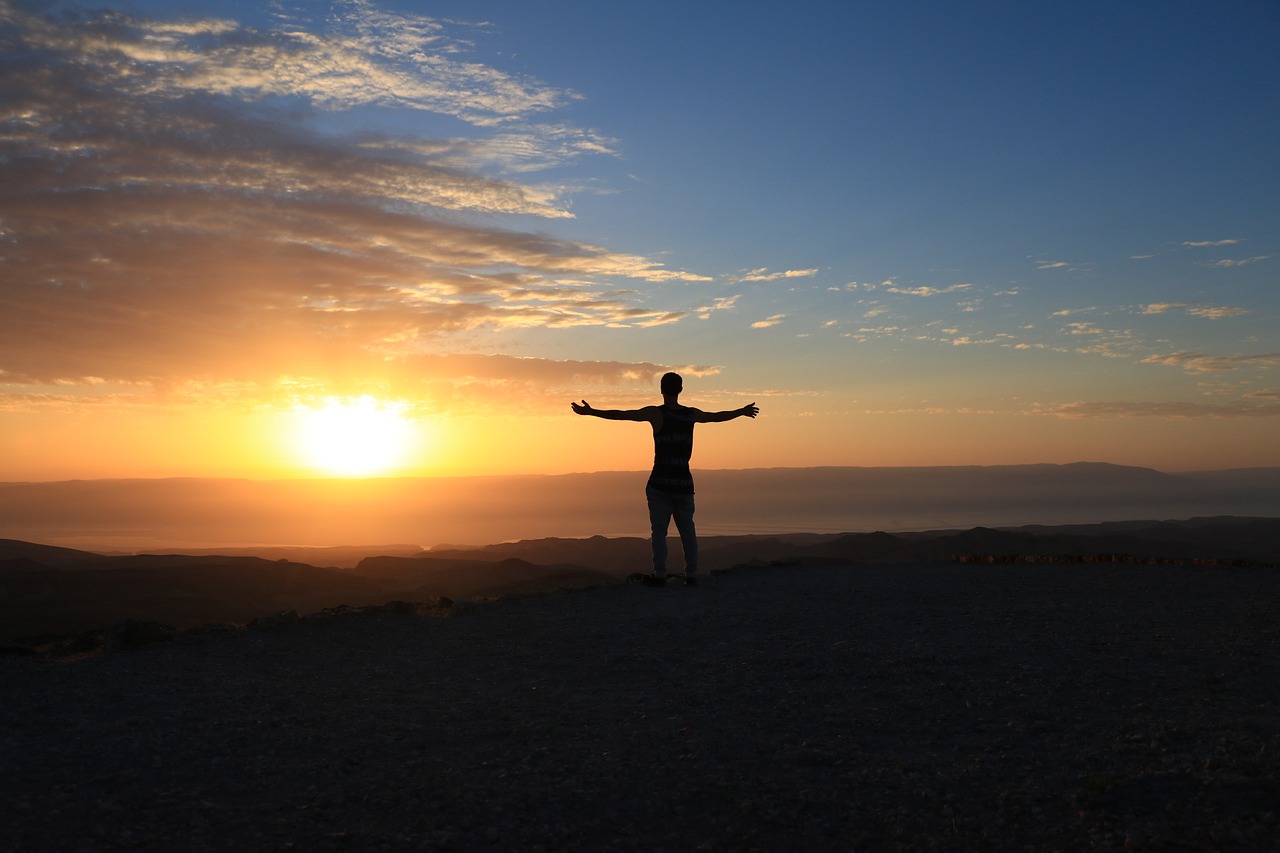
x,y
748,411
648,413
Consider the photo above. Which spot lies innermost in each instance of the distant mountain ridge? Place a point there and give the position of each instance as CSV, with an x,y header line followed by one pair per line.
x,y
133,515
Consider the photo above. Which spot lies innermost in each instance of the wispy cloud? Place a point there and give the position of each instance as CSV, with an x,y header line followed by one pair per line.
x,y
1206,244
925,290
1195,362
1162,307
1158,410
722,303
770,321
1209,312
864,285
1227,263
178,209
763,274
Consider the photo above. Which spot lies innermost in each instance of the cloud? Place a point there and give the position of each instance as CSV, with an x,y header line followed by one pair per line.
x,y
1227,263
721,303
1176,409
1207,311
1204,244
771,321
927,291
763,274
1194,362
180,209
1216,313
1053,265
441,383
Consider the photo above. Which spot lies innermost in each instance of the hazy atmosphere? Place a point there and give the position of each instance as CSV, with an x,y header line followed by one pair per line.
x,y
278,240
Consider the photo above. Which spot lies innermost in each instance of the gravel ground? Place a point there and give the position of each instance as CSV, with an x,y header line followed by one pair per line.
x,y
831,708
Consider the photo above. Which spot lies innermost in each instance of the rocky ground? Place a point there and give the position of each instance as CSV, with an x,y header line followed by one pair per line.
x,y
834,707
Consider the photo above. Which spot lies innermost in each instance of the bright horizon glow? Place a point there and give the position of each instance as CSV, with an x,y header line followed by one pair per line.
x,y
354,438
920,234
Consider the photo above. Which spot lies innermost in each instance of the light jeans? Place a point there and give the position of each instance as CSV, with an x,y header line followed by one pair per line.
x,y
663,506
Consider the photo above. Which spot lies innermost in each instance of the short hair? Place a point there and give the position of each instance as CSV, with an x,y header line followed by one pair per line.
x,y
671,383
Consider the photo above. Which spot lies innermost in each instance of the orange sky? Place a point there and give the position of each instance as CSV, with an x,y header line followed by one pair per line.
x,y
190,441
235,246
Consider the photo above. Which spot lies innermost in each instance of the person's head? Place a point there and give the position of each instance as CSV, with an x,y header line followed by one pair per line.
x,y
671,384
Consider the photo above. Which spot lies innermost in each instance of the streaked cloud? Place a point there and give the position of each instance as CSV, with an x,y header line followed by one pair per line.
x,y
1207,311
182,209
1162,307
720,303
763,274
769,321
1176,409
1195,362
925,290
1205,244
1216,312
1227,263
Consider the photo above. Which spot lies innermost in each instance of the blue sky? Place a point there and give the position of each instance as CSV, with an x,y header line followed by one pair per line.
x,y
914,233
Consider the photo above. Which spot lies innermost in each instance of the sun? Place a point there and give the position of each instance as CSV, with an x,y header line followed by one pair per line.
x,y
359,437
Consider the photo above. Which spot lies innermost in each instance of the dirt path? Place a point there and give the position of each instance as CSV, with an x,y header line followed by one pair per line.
x,y
866,707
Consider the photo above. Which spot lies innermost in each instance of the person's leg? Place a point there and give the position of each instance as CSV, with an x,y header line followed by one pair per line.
x,y
682,509
659,520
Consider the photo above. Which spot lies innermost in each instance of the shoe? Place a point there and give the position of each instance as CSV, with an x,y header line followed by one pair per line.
x,y
653,580
690,581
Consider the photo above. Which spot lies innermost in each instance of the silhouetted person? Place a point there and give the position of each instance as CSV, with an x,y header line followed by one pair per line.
x,y
670,487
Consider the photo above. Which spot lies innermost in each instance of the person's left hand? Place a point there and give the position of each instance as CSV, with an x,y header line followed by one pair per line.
x,y
583,408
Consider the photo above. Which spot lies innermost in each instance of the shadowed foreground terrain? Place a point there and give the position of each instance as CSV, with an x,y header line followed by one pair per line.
x,y
48,591
907,706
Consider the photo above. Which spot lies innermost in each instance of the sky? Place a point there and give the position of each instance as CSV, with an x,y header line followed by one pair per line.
x,y
282,239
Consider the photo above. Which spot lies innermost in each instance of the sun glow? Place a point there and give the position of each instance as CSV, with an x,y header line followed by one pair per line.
x,y
355,438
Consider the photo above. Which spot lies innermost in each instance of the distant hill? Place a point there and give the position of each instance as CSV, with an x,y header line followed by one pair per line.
x,y
68,595
157,515
39,599
47,555
1226,538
